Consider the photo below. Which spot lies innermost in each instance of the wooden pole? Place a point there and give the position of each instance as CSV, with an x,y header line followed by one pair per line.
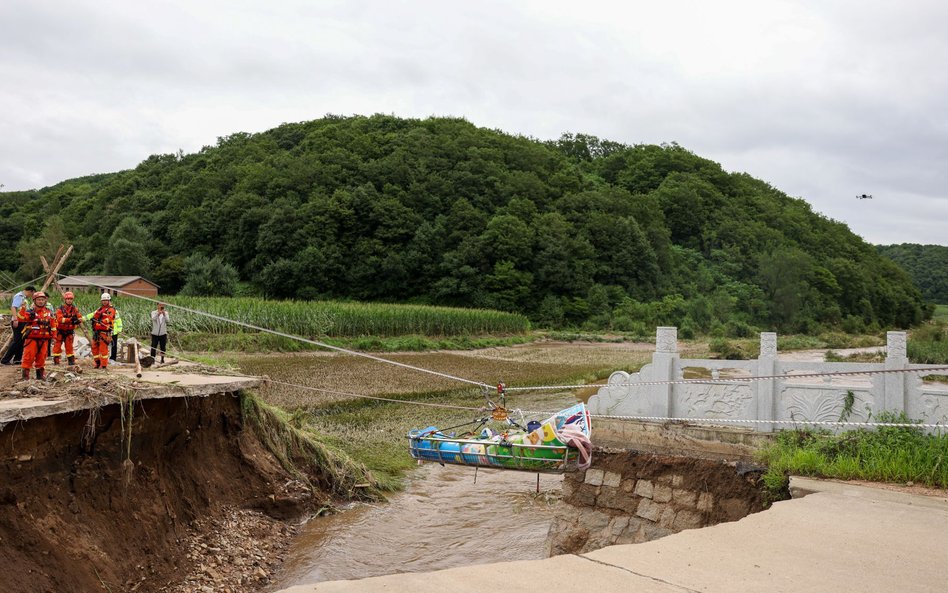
x,y
55,269
138,362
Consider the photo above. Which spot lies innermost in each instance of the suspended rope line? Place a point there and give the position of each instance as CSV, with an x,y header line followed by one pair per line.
x,y
230,373
291,336
544,414
483,385
27,283
383,399
730,379
712,421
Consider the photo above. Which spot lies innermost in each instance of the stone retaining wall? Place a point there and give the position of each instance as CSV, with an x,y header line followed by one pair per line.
x,y
632,497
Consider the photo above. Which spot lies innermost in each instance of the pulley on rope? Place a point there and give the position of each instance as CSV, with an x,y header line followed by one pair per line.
x,y
499,413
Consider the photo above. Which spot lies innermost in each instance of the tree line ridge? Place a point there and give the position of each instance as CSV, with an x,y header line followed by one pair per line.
x,y
577,231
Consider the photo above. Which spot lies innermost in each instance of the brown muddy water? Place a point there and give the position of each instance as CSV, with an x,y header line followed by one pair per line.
x,y
443,519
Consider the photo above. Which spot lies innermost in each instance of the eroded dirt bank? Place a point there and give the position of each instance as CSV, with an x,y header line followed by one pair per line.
x,y
84,510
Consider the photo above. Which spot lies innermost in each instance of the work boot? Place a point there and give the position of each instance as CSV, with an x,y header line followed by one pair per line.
x,y
72,360
40,374
56,360
26,373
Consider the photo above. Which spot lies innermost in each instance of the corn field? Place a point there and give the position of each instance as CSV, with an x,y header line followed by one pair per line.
x,y
311,319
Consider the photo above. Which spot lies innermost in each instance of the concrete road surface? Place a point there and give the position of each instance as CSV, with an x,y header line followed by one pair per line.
x,y
838,538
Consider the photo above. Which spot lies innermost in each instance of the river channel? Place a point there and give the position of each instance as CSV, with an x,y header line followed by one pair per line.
x,y
442,519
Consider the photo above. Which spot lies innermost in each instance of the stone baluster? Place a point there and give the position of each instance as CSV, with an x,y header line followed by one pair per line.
x,y
663,369
766,388
896,358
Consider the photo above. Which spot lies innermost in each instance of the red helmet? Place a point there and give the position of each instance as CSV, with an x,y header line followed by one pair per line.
x,y
69,295
39,295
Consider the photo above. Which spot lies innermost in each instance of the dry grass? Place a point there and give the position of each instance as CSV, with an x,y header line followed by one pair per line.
x,y
531,364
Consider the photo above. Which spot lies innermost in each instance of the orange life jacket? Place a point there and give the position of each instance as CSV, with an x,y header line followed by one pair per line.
x,y
67,316
38,324
104,318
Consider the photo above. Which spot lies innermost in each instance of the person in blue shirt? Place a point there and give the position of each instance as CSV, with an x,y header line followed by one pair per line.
x,y
15,352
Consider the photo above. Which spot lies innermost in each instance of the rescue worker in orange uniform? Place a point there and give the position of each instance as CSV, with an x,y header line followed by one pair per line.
x,y
39,327
103,322
67,320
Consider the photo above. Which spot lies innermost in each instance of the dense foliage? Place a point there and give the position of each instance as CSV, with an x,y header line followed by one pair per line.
x,y
926,264
437,211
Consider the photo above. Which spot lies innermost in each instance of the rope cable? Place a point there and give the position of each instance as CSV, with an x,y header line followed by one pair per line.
x,y
230,373
23,284
729,379
553,387
290,336
792,422
544,414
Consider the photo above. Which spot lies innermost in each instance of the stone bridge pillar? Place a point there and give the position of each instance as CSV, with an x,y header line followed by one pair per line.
x,y
896,358
663,369
766,388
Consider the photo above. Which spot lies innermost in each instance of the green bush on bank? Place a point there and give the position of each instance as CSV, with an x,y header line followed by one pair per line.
x,y
929,344
886,454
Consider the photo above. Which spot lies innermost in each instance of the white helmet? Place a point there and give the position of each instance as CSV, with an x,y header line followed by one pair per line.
x,y
106,297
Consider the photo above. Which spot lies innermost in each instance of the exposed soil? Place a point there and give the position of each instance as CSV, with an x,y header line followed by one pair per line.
x,y
191,490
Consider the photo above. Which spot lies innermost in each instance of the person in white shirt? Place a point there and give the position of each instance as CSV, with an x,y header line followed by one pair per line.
x,y
159,331
15,352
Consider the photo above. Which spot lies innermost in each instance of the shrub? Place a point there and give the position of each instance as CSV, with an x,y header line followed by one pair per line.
x,y
853,325
736,328
929,344
726,349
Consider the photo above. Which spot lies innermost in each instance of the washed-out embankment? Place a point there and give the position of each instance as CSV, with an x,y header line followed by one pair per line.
x,y
107,496
112,492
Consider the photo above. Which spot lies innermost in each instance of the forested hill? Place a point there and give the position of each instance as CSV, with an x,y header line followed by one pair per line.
x,y
926,264
576,231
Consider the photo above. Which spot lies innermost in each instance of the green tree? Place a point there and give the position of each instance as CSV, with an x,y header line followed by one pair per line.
x,y
46,244
209,277
441,211
128,249
171,274
782,275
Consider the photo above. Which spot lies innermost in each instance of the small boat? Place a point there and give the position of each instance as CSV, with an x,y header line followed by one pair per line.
x,y
551,446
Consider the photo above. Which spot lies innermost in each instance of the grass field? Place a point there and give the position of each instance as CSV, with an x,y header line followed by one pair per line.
x,y
941,313
888,454
928,344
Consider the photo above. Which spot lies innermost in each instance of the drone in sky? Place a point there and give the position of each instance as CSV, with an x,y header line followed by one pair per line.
x,y
864,197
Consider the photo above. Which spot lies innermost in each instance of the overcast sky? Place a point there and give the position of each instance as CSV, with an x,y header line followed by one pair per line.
x,y
823,100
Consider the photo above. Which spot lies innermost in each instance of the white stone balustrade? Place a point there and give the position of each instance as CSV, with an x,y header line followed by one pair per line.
x,y
782,397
